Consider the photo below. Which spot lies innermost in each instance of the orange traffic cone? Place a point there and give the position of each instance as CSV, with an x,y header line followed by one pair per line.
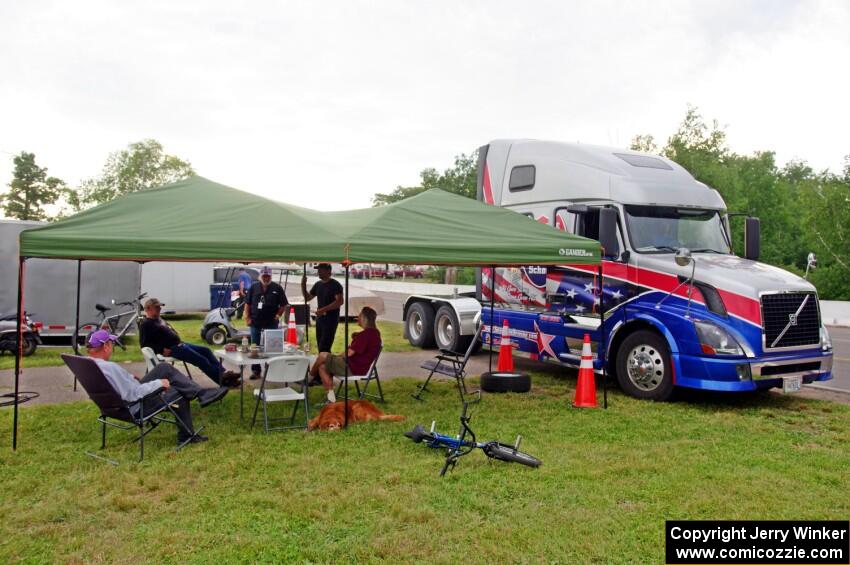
x,y
506,358
291,332
586,387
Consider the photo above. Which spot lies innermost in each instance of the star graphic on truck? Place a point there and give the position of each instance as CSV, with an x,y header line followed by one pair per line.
x,y
543,343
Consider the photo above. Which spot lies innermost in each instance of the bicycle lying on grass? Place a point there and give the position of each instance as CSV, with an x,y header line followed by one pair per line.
x,y
457,447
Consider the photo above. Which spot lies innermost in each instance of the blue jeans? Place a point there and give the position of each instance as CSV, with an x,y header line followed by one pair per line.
x,y
199,356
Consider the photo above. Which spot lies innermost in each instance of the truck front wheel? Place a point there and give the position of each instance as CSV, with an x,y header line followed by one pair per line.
x,y
644,367
420,325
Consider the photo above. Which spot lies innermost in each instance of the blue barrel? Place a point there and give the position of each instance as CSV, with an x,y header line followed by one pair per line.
x,y
220,295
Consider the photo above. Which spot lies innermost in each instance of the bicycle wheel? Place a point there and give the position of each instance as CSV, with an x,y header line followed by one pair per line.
x,y
82,333
504,452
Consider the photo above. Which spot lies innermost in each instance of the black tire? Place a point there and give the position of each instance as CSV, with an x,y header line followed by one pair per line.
x,y
447,331
644,367
504,452
216,335
505,382
30,345
419,325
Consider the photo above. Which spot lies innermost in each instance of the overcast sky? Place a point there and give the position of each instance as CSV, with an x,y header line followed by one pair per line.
x,y
322,104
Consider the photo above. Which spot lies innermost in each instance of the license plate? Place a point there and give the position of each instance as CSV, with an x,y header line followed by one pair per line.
x,y
791,384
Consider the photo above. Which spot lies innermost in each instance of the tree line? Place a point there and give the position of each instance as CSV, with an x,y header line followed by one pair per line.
x,y
801,210
33,195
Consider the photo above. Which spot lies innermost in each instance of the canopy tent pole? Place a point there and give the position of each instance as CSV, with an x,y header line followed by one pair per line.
x,y
602,351
345,351
76,333
19,350
306,316
492,304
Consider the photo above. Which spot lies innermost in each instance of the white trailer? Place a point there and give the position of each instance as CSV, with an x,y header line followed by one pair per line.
x,y
50,285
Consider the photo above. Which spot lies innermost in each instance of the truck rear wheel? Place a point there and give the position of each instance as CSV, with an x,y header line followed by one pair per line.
x,y
447,331
644,367
420,325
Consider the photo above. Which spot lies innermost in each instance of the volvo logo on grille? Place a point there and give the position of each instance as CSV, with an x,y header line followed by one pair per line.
x,y
792,319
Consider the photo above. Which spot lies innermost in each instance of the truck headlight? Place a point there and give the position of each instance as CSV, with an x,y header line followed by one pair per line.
x,y
714,340
825,340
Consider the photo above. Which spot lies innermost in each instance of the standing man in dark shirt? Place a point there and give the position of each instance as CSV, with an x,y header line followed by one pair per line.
x,y
328,293
264,305
155,333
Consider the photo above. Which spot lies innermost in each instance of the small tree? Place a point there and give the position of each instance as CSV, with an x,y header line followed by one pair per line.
x,y
30,190
459,179
142,165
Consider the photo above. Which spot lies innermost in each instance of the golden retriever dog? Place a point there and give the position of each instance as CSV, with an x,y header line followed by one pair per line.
x,y
332,416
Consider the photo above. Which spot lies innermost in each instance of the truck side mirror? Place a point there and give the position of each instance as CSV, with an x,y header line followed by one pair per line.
x,y
608,232
752,238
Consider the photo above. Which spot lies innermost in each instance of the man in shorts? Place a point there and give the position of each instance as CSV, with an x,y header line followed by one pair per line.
x,y
362,351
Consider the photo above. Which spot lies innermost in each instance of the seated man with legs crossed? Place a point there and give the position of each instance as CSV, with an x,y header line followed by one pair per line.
x,y
362,350
155,333
180,389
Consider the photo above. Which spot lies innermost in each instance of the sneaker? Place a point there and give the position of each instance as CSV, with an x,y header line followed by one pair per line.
x,y
209,396
195,439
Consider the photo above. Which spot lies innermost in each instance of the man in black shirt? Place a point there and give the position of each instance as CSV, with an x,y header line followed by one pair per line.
x,y
328,293
264,305
155,333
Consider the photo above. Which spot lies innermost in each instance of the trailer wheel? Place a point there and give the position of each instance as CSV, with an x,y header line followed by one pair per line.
x,y
644,368
216,336
420,325
447,331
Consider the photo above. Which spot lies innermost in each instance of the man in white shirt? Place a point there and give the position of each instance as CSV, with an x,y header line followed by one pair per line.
x,y
179,389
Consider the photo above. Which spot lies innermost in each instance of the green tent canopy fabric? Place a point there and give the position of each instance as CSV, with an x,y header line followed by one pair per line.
x,y
200,220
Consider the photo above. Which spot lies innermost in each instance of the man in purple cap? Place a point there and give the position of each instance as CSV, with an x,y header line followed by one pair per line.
x,y
264,305
179,388
155,333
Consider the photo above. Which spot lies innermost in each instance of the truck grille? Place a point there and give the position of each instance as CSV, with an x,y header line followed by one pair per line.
x,y
786,324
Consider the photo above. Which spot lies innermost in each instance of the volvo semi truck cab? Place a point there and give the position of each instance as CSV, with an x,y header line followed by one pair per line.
x,y
676,306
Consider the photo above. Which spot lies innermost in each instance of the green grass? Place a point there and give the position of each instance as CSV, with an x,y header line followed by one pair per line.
x,y
189,327
608,482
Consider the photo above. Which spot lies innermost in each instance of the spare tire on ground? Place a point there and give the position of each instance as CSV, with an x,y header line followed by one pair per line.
x,y
505,382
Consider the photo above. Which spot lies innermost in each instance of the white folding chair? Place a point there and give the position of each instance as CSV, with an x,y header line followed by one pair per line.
x,y
371,375
153,359
283,370
150,359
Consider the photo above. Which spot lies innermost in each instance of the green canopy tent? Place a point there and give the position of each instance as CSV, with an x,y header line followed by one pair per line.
x,y
199,220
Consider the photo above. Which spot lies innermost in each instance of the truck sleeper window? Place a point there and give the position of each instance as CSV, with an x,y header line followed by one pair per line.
x,y
661,229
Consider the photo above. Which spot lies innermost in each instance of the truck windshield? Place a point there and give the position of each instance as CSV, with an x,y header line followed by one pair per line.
x,y
659,229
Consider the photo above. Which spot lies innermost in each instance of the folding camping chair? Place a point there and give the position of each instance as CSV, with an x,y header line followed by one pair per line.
x,y
451,364
113,407
371,375
284,370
